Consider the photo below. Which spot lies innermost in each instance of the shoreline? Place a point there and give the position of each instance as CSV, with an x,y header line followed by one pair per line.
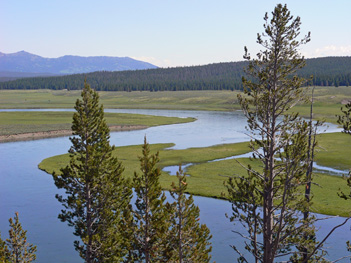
x,y
60,133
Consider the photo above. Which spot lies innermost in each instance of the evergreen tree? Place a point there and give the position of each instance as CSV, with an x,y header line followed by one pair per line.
x,y
268,202
188,239
4,251
345,121
19,250
97,196
151,219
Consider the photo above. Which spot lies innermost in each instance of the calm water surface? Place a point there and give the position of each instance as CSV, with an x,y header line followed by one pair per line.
x,y
26,189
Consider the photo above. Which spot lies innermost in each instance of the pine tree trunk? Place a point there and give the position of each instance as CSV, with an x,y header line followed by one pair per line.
x,y
147,209
88,255
180,238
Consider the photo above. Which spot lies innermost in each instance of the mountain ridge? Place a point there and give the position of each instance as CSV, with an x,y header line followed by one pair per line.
x,y
26,62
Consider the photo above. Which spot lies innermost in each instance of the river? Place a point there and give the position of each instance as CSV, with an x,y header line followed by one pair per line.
x,y
26,189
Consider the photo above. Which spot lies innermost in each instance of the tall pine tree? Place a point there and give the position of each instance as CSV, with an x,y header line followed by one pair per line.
x,y
189,240
267,202
97,196
151,218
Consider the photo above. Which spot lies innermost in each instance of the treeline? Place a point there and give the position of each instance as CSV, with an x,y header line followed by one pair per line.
x,y
328,71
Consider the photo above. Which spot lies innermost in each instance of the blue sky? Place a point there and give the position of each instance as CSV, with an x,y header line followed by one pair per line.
x,y
166,33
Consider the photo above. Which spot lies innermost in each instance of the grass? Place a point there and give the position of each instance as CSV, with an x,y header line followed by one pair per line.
x,y
325,200
327,103
129,157
334,150
189,100
207,178
327,100
36,121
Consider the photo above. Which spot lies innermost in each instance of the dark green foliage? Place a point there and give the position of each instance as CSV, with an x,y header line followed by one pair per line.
x,y
345,119
18,250
188,239
4,251
151,218
245,196
329,71
226,76
97,196
268,202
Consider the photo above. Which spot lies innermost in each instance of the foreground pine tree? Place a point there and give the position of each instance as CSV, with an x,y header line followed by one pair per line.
x,y
188,239
18,250
268,202
97,196
151,218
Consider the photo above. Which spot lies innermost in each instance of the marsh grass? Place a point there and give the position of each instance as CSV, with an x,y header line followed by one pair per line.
x,y
38,121
205,185
207,178
327,103
334,150
327,100
179,100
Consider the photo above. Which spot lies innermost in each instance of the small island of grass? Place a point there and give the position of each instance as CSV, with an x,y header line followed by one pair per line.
x,y
206,178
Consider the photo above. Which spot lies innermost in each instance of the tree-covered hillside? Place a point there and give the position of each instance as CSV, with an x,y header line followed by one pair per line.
x,y
329,71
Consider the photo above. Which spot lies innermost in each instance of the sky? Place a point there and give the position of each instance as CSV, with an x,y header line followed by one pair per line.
x,y
166,33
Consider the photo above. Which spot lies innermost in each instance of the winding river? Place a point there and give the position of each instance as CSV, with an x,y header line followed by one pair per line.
x,y
26,189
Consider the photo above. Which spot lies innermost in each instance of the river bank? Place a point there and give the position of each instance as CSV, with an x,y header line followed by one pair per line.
x,y
24,125
59,133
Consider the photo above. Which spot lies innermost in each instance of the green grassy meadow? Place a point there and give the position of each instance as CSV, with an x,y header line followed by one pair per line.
x,y
334,150
38,121
327,100
207,178
185,100
327,103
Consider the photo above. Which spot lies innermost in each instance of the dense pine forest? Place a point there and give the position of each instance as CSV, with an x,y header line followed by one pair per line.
x,y
328,71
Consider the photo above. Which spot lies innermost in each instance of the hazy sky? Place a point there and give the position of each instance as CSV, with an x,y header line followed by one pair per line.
x,y
166,33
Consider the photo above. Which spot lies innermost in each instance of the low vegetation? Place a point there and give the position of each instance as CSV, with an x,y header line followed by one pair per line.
x,y
334,150
328,100
42,121
181,100
206,178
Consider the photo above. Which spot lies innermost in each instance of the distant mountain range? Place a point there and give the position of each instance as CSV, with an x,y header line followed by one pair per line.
x,y
24,64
